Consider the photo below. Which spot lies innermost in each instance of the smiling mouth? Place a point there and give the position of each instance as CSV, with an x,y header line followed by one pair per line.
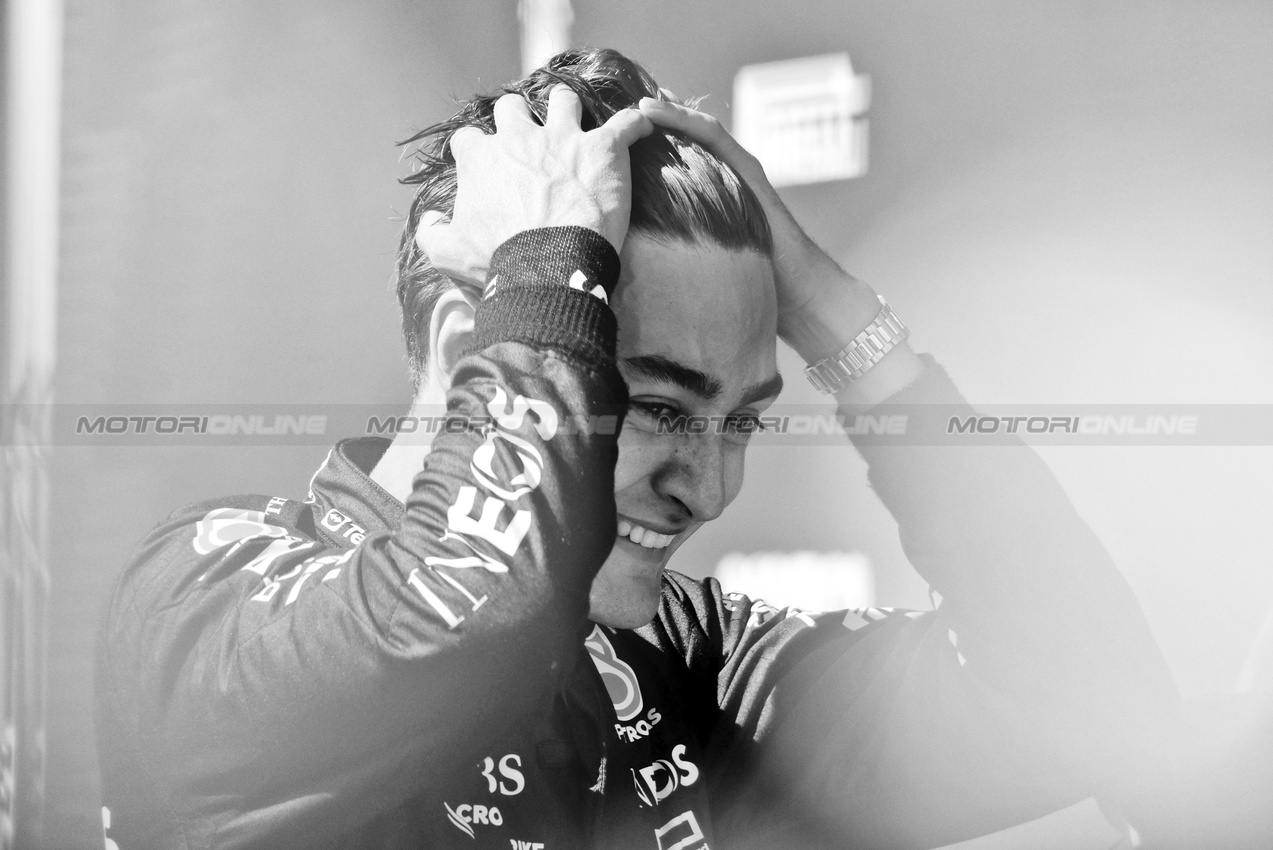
x,y
643,536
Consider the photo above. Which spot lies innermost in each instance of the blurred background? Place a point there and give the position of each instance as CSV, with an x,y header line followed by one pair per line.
x,y
1069,202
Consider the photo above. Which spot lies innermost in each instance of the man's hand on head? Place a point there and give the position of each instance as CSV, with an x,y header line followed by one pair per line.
x,y
820,305
526,175
803,272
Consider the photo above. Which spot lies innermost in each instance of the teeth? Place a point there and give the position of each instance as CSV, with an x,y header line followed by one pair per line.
x,y
644,536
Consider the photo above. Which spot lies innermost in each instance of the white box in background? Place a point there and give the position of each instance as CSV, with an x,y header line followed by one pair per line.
x,y
804,119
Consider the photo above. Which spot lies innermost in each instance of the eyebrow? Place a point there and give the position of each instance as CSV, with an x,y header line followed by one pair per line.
x,y
768,388
658,368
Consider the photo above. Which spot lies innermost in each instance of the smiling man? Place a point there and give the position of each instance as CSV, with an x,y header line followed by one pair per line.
x,y
476,642
697,330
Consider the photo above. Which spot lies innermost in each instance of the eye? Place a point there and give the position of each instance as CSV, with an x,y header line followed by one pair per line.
x,y
649,413
654,409
739,427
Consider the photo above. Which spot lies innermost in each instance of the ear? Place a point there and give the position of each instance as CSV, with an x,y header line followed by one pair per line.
x,y
450,333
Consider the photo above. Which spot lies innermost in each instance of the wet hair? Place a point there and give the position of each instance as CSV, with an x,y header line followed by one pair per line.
x,y
680,192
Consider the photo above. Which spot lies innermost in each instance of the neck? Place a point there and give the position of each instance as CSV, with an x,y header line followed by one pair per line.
x,y
397,469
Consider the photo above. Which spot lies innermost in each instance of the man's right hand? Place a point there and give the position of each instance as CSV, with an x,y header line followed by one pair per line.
x,y
820,306
526,175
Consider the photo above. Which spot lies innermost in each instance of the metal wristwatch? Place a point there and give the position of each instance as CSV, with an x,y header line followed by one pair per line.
x,y
832,374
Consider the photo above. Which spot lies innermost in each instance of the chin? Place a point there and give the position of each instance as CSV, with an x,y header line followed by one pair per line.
x,y
626,592
627,617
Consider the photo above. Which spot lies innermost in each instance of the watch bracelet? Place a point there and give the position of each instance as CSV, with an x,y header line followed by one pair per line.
x,y
832,374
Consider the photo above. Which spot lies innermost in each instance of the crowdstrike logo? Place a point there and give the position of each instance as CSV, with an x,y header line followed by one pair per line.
x,y
465,816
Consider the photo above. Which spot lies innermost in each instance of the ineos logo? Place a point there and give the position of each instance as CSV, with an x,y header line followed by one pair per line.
x,y
656,782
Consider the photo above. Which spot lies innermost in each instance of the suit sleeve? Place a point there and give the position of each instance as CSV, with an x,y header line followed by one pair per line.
x,y
274,687
1033,684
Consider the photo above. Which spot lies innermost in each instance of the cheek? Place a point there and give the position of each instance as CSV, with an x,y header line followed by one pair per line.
x,y
733,472
638,458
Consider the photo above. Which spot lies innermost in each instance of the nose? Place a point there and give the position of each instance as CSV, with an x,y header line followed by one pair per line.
x,y
697,476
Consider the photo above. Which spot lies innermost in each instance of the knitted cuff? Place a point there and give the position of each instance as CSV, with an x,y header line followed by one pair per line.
x,y
550,288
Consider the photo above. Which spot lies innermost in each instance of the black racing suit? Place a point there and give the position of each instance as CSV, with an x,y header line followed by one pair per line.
x,y
349,671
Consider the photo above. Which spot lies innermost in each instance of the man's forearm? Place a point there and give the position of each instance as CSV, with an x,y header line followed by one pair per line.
x,y
1033,601
841,308
235,644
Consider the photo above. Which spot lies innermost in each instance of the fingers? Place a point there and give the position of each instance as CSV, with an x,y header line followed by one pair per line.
x,y
511,109
433,236
447,249
463,140
707,131
628,125
434,239
565,110
561,175
699,126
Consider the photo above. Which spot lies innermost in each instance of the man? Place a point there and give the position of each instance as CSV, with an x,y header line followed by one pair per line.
x,y
475,643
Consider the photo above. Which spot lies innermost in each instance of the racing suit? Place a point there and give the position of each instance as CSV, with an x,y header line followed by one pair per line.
x,y
350,671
